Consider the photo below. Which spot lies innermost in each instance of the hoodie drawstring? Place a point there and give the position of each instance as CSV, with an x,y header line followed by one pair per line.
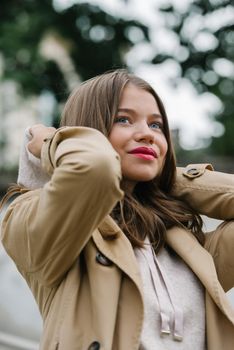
x,y
161,285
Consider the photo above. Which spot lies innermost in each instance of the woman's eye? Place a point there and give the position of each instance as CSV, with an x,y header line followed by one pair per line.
x,y
156,125
122,120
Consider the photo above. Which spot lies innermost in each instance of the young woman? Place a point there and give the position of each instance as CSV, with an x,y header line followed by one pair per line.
x,y
112,246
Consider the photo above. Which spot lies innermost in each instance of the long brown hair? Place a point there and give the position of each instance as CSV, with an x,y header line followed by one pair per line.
x,y
150,209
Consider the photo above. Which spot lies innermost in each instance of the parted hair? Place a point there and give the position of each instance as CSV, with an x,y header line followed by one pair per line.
x,y
150,209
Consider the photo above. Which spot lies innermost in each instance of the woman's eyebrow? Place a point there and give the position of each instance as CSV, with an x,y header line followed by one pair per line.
x,y
129,110
126,110
157,115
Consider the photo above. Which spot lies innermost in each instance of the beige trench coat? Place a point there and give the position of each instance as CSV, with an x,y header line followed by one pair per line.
x,y
81,268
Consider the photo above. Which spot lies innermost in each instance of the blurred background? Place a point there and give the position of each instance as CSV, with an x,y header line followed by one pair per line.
x,y
184,48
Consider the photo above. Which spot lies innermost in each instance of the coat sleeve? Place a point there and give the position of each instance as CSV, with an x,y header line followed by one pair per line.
x,y
211,193
45,230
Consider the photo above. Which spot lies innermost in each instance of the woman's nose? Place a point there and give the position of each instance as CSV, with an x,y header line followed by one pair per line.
x,y
144,134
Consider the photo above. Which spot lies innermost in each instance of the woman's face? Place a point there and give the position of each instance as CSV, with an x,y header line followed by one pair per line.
x,y
137,135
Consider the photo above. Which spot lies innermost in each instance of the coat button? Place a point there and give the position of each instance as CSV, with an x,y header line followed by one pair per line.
x,y
103,260
94,346
193,171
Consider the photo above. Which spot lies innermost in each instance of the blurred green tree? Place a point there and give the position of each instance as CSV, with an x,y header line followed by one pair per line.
x,y
95,42
205,31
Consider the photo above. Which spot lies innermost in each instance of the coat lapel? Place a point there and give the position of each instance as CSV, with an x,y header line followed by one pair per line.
x,y
113,243
202,264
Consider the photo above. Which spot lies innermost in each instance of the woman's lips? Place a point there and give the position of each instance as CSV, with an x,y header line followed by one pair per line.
x,y
143,156
144,153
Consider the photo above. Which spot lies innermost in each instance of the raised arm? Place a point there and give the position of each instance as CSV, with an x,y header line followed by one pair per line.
x,y
212,193
45,230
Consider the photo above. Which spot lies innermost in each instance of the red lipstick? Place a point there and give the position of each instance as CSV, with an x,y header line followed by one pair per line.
x,y
144,152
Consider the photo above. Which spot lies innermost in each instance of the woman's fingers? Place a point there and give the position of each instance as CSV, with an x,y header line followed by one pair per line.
x,y
39,132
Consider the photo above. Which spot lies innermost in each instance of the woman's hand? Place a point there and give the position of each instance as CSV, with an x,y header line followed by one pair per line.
x,y
39,133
